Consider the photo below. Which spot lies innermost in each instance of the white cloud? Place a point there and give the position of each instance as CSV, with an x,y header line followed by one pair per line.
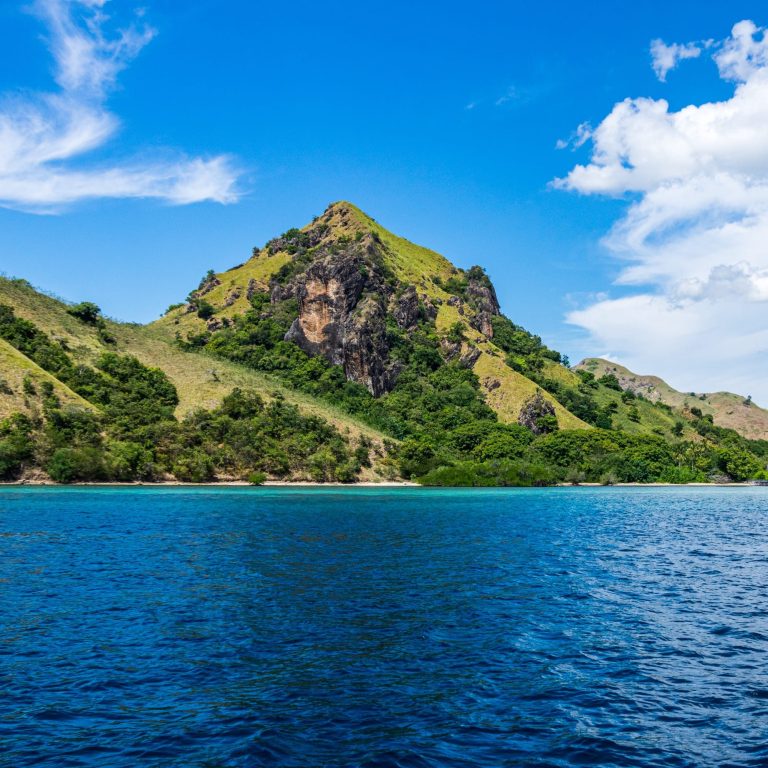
x,y
578,138
694,238
44,137
744,53
666,57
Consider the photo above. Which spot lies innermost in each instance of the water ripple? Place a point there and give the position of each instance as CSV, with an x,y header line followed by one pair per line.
x,y
214,628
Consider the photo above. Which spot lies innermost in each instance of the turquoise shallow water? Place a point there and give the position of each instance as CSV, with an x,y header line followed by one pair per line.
x,y
383,627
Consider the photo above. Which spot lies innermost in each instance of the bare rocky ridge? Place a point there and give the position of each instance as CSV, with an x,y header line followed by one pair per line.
x,y
344,296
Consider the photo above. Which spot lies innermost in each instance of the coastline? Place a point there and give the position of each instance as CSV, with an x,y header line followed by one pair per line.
x,y
362,484
221,484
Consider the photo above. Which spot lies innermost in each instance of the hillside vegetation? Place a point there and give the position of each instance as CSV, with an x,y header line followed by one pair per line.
x,y
200,383
338,351
728,410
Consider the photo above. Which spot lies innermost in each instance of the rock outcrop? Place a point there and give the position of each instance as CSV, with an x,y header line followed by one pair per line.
x,y
343,298
481,296
406,310
232,297
538,414
341,276
207,284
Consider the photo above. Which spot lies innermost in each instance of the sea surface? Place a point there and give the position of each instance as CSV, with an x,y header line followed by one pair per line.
x,y
217,627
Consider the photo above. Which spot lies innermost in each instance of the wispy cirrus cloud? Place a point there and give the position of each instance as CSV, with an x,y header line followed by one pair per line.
x,y
512,93
693,237
45,138
512,96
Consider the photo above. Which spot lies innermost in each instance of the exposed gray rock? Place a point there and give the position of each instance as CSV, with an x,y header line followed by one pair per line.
x,y
481,296
532,412
450,349
469,358
232,297
455,301
406,309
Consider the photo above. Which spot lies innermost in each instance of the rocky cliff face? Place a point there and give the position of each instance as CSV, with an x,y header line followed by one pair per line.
x,y
343,298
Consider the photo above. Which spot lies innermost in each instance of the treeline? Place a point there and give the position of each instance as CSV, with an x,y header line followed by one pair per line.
x,y
244,439
596,456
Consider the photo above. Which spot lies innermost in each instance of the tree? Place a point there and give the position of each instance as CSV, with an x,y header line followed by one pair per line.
x,y
609,380
194,466
129,461
456,333
738,463
87,312
205,309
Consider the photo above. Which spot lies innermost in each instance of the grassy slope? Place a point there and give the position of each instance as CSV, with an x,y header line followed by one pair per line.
x,y
201,381
505,390
14,368
727,409
652,419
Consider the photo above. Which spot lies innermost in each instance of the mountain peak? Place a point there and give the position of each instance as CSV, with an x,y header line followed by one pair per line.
x,y
349,283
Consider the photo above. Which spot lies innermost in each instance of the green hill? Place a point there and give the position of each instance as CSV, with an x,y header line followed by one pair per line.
x,y
338,351
20,379
201,382
410,265
728,410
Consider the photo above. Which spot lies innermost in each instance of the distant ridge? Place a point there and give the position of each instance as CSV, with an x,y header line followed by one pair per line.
x,y
728,410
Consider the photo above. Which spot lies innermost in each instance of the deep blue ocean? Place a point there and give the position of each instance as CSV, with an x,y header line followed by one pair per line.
x,y
383,627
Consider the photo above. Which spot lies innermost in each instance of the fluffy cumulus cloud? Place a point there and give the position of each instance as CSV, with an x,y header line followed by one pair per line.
x,y
45,138
694,238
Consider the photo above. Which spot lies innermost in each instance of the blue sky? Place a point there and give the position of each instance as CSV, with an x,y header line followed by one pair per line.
x,y
209,131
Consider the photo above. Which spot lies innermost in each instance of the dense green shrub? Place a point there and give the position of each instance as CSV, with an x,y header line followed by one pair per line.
x,y
194,466
609,380
16,445
490,474
68,465
125,461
